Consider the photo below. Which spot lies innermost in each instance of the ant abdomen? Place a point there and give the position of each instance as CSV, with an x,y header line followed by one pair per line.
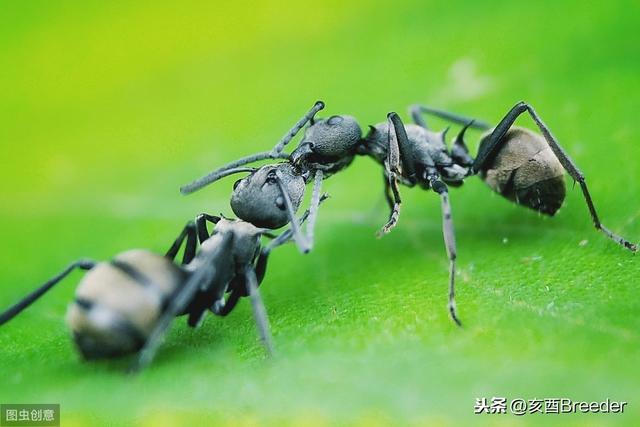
x,y
526,171
118,303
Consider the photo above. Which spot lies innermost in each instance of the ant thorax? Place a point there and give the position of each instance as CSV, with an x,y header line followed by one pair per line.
x,y
245,239
429,151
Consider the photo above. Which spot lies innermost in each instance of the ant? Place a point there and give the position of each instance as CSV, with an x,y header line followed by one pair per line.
x,y
127,304
327,147
517,163
523,166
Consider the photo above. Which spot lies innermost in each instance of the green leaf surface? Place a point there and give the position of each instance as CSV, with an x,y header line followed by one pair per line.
x,y
106,109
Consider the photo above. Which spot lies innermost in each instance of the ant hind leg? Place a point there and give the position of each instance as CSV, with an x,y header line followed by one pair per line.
x,y
416,112
496,139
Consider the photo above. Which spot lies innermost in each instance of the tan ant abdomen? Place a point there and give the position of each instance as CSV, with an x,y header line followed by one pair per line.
x,y
118,303
526,171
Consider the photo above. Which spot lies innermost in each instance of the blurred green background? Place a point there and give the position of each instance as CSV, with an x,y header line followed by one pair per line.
x,y
107,108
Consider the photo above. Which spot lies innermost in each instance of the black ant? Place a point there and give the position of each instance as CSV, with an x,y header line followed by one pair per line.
x,y
517,163
328,146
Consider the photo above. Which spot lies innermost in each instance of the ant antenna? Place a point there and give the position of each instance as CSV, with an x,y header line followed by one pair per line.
x,y
227,170
13,311
275,153
300,240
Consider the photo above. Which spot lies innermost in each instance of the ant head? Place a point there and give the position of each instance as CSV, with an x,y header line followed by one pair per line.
x,y
328,141
258,198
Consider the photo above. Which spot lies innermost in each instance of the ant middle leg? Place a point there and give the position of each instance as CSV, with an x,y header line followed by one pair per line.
x,y
450,244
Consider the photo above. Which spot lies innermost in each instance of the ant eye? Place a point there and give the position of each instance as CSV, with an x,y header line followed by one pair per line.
x,y
334,120
235,184
271,180
280,203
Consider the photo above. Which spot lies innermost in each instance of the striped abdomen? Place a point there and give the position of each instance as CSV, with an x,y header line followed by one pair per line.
x,y
118,303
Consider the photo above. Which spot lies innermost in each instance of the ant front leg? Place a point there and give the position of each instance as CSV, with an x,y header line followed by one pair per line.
x,y
188,233
399,161
496,140
387,190
201,225
192,232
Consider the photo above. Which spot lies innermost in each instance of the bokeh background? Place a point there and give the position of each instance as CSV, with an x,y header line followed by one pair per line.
x,y
107,108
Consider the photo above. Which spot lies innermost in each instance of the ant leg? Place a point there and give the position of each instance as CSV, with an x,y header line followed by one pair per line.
x,y
204,276
313,208
450,244
284,237
399,135
392,182
230,303
496,139
188,233
240,287
260,268
417,111
319,105
400,152
387,190
201,225
259,311
261,263
16,309
301,241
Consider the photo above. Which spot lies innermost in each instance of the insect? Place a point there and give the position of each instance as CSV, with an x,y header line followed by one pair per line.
x,y
519,164
327,147
127,304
